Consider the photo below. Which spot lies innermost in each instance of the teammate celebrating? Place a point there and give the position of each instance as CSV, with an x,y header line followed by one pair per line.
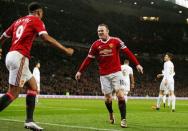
x,y
167,83
23,31
106,51
128,77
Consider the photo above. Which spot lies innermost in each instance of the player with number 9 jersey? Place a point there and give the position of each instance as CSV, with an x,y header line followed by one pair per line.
x,y
23,31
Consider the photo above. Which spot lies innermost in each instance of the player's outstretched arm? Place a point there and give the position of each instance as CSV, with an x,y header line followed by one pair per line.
x,y
159,75
133,59
83,67
55,43
78,75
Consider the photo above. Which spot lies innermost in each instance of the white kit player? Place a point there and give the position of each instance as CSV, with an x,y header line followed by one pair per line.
x,y
128,77
167,83
36,74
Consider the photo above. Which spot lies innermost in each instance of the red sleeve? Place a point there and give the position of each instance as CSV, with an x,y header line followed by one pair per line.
x,y
39,26
85,64
8,33
131,56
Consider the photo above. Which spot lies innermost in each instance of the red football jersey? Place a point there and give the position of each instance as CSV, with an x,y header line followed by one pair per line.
x,y
107,54
23,31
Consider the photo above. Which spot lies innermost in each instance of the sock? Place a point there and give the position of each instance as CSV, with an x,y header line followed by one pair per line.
x,y
109,106
173,102
30,105
5,100
122,108
126,99
159,101
164,99
169,100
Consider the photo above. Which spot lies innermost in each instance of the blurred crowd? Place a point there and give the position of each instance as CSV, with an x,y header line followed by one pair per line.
x,y
58,70
148,40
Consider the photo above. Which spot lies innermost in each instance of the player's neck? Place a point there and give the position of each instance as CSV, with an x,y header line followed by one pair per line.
x,y
105,39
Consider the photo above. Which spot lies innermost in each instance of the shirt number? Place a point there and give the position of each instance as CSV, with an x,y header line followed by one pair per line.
x,y
19,33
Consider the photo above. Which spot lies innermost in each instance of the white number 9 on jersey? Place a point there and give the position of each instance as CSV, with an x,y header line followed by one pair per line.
x,y
19,33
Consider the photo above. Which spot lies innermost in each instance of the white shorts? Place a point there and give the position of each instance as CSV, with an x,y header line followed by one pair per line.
x,y
112,82
168,87
18,66
127,86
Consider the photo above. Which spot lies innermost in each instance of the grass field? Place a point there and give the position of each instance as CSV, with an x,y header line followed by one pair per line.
x,y
88,115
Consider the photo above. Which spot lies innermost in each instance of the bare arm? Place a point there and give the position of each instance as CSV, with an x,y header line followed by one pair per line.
x,y
55,43
83,66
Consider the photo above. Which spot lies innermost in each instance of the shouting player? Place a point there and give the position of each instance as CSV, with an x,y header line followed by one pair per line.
x,y
22,32
106,51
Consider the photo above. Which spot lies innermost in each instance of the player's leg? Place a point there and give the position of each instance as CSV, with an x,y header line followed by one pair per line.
x,y
122,107
11,95
30,105
173,97
14,63
169,100
164,100
30,97
107,91
126,93
37,96
159,99
161,93
118,85
108,103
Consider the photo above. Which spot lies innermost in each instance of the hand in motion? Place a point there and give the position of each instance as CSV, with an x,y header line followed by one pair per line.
x,y
159,75
140,69
69,51
78,75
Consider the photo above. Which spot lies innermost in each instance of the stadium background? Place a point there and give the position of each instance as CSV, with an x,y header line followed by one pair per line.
x,y
74,22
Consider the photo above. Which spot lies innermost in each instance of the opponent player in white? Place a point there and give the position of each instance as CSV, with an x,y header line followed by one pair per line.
x,y
36,74
167,82
128,77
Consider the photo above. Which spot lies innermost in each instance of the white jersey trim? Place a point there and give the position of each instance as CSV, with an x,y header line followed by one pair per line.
x,y
123,46
91,56
5,34
42,32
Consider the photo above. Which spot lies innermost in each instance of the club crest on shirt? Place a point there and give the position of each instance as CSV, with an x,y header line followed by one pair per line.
x,y
111,45
99,47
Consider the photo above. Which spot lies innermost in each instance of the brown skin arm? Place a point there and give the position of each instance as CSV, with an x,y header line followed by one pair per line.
x,y
56,44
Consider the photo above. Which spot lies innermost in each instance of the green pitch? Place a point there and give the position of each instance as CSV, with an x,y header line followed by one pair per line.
x,y
88,115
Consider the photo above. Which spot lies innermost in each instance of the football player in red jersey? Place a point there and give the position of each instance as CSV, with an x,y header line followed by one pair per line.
x,y
106,51
22,32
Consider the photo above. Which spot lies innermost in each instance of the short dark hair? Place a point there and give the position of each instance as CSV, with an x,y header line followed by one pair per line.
x,y
126,61
170,55
105,25
34,6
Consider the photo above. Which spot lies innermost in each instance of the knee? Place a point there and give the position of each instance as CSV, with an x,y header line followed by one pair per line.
x,y
32,92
